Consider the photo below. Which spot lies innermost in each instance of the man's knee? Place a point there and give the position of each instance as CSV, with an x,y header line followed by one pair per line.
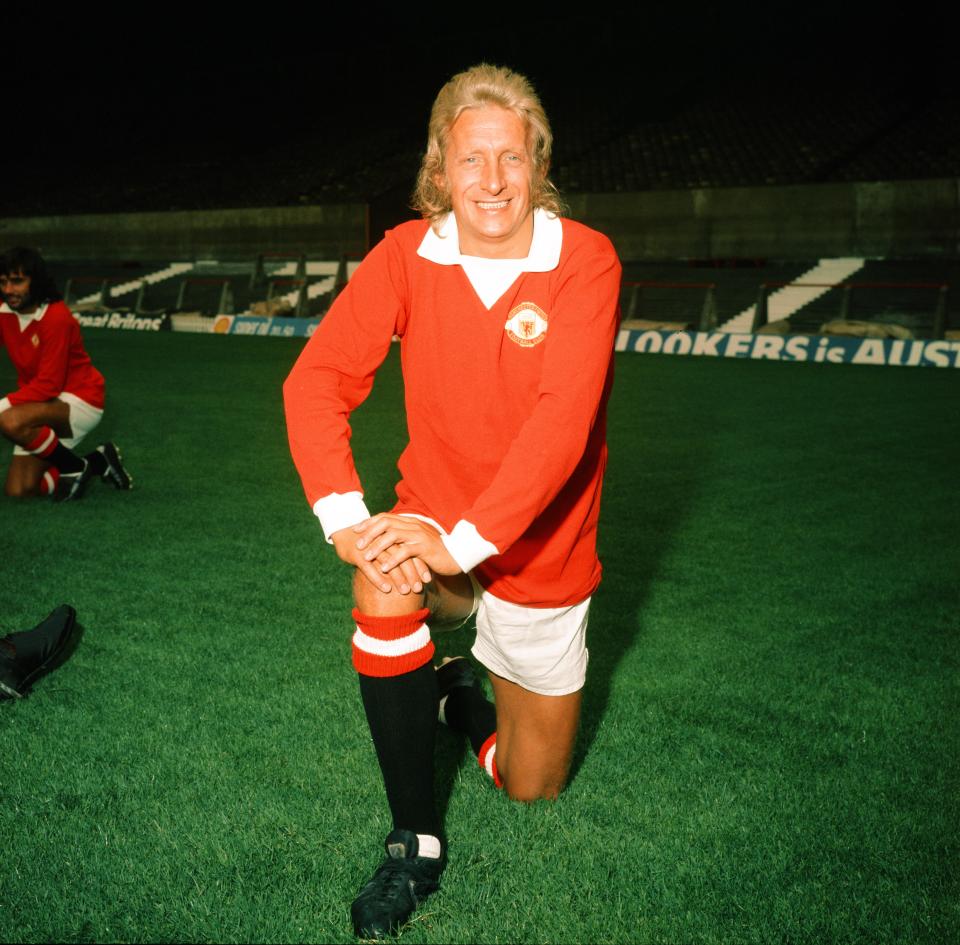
x,y
371,600
528,787
527,794
9,426
19,490
17,428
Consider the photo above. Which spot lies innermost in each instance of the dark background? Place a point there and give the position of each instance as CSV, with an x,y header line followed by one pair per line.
x,y
94,100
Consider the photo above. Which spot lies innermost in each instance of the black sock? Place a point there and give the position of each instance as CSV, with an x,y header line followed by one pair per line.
x,y
469,712
65,459
402,715
97,461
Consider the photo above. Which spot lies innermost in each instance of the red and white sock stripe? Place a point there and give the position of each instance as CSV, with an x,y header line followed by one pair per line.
x,y
43,444
488,759
391,646
48,484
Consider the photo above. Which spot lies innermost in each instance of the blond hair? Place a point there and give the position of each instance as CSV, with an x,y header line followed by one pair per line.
x,y
485,85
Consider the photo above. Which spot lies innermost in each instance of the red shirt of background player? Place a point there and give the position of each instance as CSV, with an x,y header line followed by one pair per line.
x,y
48,354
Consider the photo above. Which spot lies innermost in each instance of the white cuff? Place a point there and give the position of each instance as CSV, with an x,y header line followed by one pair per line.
x,y
340,510
467,546
5,404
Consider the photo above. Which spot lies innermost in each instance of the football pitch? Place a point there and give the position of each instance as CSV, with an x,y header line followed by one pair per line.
x,y
770,741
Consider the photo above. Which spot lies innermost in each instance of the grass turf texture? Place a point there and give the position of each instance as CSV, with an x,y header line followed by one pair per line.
x,y
770,732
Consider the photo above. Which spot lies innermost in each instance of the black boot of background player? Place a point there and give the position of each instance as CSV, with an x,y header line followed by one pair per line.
x,y
26,656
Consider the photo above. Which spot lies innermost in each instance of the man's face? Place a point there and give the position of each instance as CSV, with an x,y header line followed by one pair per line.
x,y
488,172
15,288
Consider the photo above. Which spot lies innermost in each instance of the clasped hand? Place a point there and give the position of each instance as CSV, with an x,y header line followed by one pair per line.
x,y
395,552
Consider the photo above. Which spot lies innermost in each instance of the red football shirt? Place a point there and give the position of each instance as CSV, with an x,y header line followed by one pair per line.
x,y
49,356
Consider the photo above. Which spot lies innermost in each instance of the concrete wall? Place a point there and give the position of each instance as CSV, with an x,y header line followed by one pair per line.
x,y
890,219
903,219
189,235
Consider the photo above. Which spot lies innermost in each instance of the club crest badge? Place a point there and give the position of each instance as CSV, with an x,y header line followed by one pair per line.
x,y
527,325
35,340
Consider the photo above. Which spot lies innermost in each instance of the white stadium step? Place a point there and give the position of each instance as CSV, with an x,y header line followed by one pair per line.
x,y
783,302
174,269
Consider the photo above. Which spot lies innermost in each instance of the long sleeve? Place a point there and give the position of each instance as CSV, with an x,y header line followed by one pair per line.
x,y
333,376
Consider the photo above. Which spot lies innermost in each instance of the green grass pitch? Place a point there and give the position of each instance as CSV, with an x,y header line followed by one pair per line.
x,y
769,748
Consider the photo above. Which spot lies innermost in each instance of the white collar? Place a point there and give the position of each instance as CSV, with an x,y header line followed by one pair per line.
x,y
25,319
544,255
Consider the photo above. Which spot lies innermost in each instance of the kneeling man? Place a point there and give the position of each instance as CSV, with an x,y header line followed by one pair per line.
x,y
506,314
59,395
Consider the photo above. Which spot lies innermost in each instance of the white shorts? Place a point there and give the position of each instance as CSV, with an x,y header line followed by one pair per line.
x,y
83,418
542,649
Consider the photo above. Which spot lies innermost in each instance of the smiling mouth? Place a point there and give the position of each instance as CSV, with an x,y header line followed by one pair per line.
x,y
492,204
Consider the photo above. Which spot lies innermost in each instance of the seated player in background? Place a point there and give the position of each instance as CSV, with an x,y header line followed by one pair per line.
x,y
59,395
506,315
27,656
